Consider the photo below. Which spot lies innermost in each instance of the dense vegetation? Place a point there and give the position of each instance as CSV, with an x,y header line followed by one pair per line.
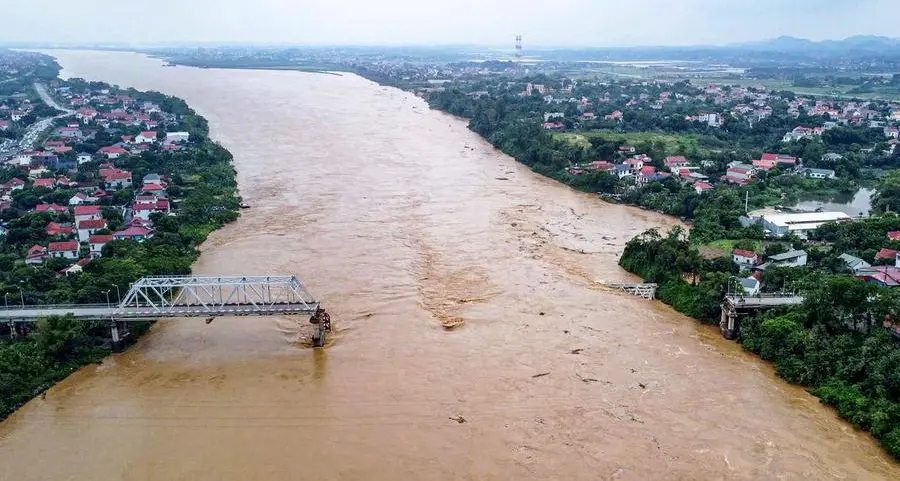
x,y
202,187
834,343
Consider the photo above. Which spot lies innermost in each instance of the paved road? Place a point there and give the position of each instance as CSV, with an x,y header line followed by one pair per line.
x,y
36,129
45,96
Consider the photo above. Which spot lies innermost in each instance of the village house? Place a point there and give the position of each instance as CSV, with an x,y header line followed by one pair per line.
x,y
70,132
622,171
52,208
112,151
84,158
145,137
76,268
780,159
97,242
739,174
13,184
818,173
764,165
711,119
602,166
87,228
4,125
135,233
744,258
80,198
854,263
85,114
46,183
884,276
153,189
87,212
701,187
36,255
617,116
116,179
674,162
54,229
143,210
794,258
64,250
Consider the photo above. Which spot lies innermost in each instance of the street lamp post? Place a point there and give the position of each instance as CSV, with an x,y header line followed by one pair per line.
x,y
107,298
6,300
118,294
22,296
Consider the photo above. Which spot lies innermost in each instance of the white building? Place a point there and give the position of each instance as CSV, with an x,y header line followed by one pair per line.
x,y
713,120
795,258
800,224
819,173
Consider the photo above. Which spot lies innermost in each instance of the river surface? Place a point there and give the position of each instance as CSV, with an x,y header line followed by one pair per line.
x,y
854,205
399,217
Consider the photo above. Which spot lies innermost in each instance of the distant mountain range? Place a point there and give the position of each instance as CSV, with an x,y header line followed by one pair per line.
x,y
871,44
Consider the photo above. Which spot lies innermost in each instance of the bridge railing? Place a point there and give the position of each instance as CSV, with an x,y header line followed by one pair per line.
x,y
187,296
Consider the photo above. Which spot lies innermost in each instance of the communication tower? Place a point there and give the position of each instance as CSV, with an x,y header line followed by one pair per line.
x,y
518,49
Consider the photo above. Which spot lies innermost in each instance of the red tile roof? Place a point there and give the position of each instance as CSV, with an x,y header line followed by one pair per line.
x,y
886,254
117,175
44,182
744,253
63,246
100,239
92,224
54,229
87,210
134,231
894,235
112,149
49,207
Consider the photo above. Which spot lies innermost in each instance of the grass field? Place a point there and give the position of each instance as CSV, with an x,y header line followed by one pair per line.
x,y
727,245
671,141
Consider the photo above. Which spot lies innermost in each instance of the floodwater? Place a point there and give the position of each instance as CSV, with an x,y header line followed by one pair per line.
x,y
854,205
399,217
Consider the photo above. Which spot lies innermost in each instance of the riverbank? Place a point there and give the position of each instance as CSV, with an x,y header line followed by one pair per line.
x,y
855,371
192,193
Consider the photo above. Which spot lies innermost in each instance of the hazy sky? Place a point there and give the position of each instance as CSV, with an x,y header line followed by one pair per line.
x,y
391,22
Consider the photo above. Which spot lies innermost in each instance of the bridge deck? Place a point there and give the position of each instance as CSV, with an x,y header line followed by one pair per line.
x,y
750,302
104,312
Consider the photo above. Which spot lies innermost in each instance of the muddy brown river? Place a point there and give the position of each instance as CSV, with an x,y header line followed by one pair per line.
x,y
398,217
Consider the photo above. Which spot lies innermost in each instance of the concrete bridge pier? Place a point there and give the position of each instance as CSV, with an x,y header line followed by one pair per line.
x,y
119,331
730,323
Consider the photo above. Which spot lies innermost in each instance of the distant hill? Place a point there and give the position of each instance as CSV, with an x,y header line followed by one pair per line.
x,y
864,44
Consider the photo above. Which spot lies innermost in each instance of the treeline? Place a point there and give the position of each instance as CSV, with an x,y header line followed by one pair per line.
x,y
834,344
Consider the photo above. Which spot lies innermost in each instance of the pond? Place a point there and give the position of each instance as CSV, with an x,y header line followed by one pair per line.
x,y
853,205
